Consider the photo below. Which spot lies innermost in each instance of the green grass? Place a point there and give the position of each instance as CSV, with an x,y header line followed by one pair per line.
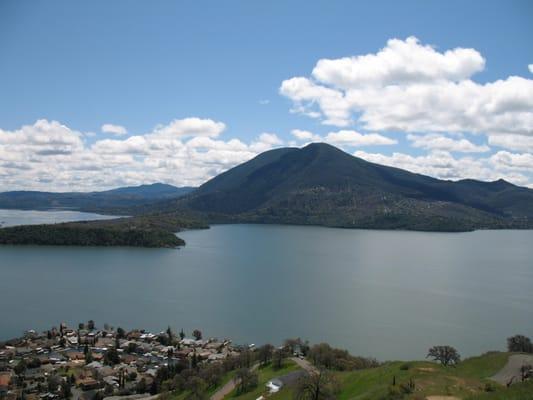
x,y
519,391
265,374
464,381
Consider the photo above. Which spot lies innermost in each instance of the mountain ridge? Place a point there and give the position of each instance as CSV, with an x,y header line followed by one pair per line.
x,y
320,184
107,200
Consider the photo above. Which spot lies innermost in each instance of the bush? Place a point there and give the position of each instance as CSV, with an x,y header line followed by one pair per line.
x,y
323,355
405,367
519,344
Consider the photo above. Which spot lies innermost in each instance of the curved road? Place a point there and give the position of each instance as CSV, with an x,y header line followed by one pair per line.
x,y
512,368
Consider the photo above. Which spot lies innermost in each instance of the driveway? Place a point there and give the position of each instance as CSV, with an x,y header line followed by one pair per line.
x,y
511,370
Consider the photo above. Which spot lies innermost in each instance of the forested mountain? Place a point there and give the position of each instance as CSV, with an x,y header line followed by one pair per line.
x,y
321,184
106,201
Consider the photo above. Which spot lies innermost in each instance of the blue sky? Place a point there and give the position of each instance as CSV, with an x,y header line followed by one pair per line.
x,y
69,67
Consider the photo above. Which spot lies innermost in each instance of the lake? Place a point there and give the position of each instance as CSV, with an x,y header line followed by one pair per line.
x,y
386,294
27,217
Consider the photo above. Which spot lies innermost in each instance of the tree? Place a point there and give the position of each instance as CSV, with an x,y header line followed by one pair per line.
x,y
142,387
182,334
53,383
170,336
196,387
246,380
197,334
320,385
88,355
121,333
65,390
20,368
212,375
446,355
81,326
265,353
111,356
90,325
519,344
277,358
132,347
245,359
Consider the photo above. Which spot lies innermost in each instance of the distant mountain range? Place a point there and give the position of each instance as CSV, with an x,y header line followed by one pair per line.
x,y
322,185
315,185
105,201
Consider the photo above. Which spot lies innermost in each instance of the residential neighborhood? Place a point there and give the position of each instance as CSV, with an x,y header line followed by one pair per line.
x,y
92,363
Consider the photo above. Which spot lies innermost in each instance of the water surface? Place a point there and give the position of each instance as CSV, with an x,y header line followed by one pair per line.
x,y
33,217
385,294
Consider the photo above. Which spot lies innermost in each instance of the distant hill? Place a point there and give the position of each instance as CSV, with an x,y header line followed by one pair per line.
x,y
322,185
109,201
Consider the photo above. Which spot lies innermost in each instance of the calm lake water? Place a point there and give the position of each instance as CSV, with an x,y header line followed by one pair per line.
x,y
27,217
385,294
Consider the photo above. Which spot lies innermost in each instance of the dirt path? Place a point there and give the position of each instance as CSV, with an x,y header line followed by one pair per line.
x,y
512,368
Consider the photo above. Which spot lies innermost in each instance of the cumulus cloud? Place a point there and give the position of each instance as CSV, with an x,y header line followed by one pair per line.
x,y
306,135
191,127
353,138
443,165
512,142
411,87
114,129
441,142
51,156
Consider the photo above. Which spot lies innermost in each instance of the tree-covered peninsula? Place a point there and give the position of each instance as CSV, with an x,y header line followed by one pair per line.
x,y
145,231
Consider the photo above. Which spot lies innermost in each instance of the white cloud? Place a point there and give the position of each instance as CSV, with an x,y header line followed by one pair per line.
x,y
400,62
443,165
264,102
191,127
512,142
306,135
353,138
512,161
50,156
530,68
114,129
441,142
412,87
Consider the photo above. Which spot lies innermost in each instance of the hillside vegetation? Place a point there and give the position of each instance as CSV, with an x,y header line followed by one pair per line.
x,y
322,185
147,231
109,201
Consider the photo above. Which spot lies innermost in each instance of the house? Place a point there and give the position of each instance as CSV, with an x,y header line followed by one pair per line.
x,y
5,379
274,385
88,384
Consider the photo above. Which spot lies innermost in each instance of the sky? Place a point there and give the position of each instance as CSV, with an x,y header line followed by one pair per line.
x,y
102,94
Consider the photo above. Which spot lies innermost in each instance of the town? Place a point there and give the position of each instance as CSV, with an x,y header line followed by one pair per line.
x,y
90,363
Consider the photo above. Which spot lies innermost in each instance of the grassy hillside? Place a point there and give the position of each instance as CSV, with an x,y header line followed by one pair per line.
x,y
469,380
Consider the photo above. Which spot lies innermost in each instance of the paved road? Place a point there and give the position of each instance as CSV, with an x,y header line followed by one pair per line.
x,y
304,364
512,368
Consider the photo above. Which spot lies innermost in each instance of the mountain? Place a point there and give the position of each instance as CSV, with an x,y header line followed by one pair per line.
x,y
322,185
107,201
